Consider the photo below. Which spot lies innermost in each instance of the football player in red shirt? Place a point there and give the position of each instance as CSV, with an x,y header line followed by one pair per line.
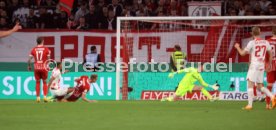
x,y
271,70
83,86
41,55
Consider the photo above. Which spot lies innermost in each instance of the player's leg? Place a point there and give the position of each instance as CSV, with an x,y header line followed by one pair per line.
x,y
204,92
271,77
255,93
37,85
180,92
269,87
250,92
44,77
251,79
70,90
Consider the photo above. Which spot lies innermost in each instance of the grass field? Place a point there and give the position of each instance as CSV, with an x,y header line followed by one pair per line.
x,y
134,115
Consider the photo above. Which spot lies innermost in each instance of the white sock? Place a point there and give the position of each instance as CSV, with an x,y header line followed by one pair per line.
x,y
250,96
267,92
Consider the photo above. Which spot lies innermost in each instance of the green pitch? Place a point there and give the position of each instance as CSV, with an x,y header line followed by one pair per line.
x,y
134,115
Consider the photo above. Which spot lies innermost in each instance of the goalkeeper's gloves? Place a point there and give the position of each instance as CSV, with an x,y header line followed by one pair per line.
x,y
171,75
215,87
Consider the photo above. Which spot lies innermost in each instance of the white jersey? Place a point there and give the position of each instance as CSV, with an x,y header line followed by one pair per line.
x,y
57,75
257,49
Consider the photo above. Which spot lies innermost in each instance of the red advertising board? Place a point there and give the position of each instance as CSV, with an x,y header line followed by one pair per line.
x,y
158,95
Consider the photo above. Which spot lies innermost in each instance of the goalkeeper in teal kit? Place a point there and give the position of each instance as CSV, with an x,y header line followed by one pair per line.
x,y
187,84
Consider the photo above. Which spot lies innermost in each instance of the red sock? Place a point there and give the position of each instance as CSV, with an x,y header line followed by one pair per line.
x,y
45,88
37,88
255,90
267,98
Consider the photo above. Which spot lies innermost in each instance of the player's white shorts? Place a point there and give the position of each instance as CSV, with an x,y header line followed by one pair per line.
x,y
59,92
255,74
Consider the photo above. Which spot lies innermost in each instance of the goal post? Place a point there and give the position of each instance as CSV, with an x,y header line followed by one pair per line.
x,y
147,38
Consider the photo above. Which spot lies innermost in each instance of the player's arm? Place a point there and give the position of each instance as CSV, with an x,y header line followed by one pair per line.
x,y
29,63
9,32
83,97
51,81
77,80
242,52
186,70
203,83
270,59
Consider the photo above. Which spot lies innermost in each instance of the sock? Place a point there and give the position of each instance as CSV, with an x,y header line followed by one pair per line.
x,y
267,98
45,89
206,93
250,92
37,88
255,91
267,92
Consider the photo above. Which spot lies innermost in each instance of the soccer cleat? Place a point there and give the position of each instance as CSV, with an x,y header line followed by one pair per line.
x,y
163,99
273,102
214,99
38,99
248,108
46,100
268,107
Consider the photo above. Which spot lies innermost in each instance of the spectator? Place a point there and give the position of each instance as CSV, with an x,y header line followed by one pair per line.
x,y
116,8
3,23
71,22
264,4
14,6
91,18
22,13
82,25
81,12
110,22
99,7
271,11
257,9
63,20
31,20
92,58
43,19
243,10
103,16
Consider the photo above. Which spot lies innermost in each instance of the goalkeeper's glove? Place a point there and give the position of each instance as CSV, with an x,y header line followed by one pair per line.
x,y
171,75
215,87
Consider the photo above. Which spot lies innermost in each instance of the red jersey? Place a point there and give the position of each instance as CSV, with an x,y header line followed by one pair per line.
x,y
40,54
272,42
83,86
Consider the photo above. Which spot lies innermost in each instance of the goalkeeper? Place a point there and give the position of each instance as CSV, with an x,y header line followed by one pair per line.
x,y
187,84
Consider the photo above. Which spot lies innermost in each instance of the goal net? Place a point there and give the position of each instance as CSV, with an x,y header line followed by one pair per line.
x,y
147,43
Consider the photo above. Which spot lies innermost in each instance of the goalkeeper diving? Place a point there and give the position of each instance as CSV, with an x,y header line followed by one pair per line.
x,y
187,84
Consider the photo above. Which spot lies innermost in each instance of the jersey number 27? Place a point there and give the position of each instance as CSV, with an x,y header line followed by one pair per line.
x,y
260,51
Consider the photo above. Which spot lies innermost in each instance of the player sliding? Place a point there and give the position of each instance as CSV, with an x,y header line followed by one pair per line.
x,y
187,84
257,49
41,54
54,83
83,86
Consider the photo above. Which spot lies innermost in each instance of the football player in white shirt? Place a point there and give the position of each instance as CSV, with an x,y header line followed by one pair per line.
x,y
257,49
54,83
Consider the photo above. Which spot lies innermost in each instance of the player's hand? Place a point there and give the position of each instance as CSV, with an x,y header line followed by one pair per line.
x,y
17,27
215,87
171,75
237,45
29,68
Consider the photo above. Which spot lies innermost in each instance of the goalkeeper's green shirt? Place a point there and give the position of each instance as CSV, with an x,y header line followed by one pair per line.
x,y
192,75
